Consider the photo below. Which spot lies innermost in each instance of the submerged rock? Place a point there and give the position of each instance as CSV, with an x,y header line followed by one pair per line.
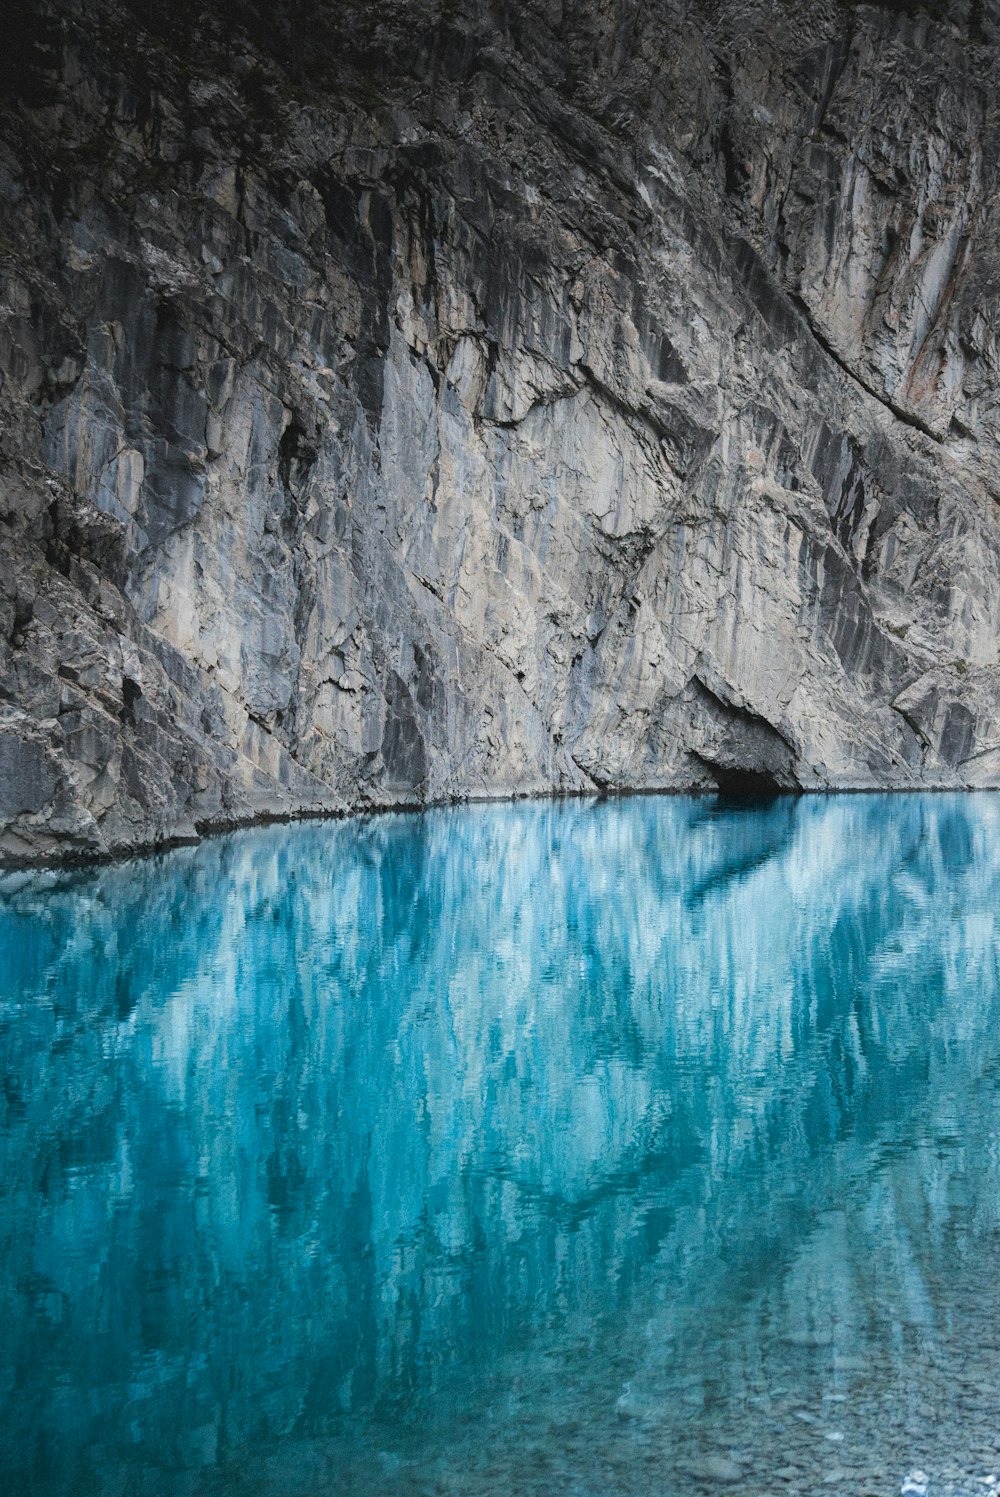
x,y
420,401
714,1469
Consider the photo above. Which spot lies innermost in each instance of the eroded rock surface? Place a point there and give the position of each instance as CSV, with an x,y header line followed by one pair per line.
x,y
413,401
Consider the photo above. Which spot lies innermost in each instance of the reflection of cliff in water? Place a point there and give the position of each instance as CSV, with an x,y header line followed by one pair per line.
x,y
315,1123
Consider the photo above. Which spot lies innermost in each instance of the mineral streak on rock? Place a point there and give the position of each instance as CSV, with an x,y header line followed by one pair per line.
x,y
443,399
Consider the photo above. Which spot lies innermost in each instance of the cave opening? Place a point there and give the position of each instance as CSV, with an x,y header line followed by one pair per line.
x,y
741,784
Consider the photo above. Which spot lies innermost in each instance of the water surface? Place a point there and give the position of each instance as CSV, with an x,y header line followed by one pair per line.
x,y
631,1147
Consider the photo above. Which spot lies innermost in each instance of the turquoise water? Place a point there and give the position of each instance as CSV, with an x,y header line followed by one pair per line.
x,y
647,1146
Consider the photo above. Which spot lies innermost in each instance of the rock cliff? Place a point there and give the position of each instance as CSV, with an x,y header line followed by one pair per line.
x,y
413,401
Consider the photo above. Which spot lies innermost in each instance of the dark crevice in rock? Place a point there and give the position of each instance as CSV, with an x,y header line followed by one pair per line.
x,y
787,314
296,455
131,693
901,414
595,777
832,60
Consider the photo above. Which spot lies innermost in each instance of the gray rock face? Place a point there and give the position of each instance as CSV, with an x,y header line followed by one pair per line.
x,y
450,400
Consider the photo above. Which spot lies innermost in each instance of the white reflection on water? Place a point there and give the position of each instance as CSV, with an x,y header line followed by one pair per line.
x,y
614,1147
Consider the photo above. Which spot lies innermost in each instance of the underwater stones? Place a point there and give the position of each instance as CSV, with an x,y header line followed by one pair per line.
x,y
715,1469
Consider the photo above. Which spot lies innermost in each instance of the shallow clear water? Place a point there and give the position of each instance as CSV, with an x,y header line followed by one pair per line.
x,y
642,1146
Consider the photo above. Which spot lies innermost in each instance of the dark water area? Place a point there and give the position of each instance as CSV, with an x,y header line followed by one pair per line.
x,y
645,1146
